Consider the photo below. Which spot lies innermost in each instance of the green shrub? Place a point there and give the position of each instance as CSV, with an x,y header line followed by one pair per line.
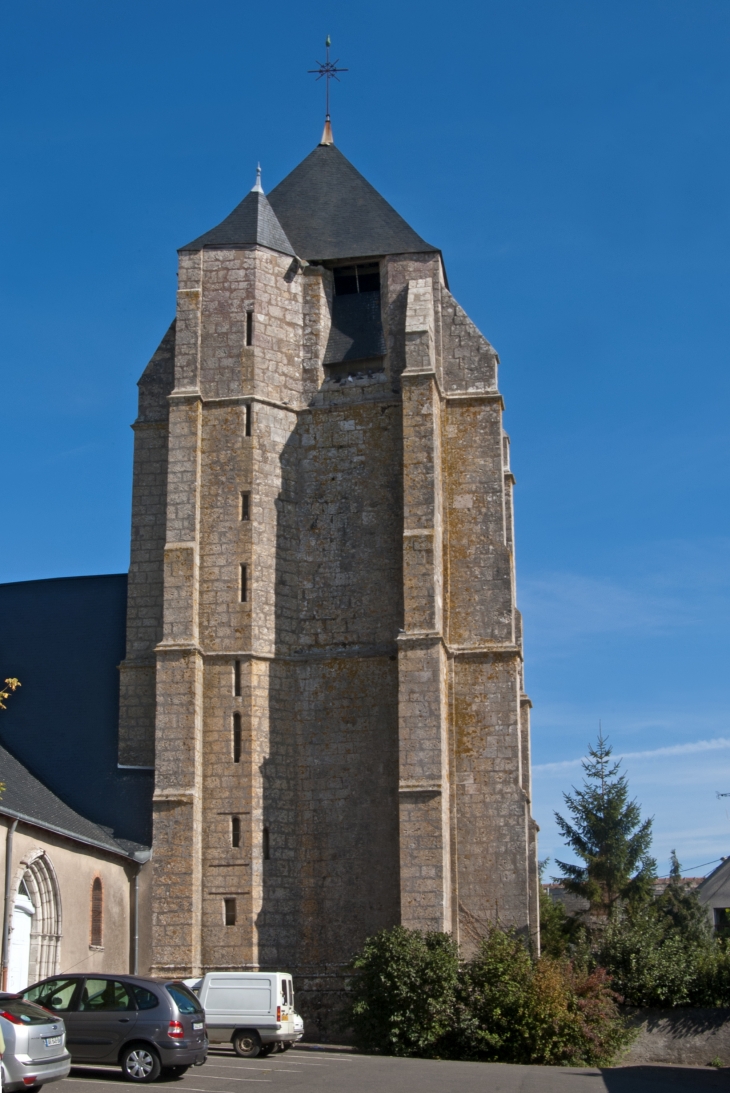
x,y
516,1010
657,957
493,1001
403,992
410,997
712,986
648,964
560,933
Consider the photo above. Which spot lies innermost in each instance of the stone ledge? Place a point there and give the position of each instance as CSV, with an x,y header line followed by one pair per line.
x,y
248,400
175,794
454,396
419,787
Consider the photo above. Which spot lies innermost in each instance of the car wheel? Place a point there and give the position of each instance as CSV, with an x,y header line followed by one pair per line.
x,y
247,1043
140,1063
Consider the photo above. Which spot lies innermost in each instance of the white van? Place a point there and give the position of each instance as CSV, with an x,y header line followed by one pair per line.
x,y
254,1011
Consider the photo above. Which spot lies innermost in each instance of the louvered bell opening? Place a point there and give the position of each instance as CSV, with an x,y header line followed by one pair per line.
x,y
356,334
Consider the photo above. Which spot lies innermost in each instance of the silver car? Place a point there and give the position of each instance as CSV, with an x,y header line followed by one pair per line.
x,y
35,1045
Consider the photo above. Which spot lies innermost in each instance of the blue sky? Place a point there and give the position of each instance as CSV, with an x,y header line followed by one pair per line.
x,y
570,158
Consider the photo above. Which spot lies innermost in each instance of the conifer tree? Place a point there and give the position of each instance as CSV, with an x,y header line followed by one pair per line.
x,y
681,907
607,834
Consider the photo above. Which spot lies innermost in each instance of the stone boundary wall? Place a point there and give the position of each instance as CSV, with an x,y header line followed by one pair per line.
x,y
691,1037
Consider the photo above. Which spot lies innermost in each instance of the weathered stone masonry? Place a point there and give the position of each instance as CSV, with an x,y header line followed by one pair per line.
x,y
374,668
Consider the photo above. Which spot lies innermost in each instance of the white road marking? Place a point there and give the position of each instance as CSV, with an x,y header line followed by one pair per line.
x,y
265,1069
135,1085
334,1058
225,1066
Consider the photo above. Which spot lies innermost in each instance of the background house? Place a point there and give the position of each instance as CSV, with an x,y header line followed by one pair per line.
x,y
714,893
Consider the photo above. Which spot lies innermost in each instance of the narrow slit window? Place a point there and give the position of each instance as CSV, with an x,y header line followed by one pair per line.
x,y
236,738
245,506
235,830
229,912
249,412
249,328
97,913
265,844
237,678
244,584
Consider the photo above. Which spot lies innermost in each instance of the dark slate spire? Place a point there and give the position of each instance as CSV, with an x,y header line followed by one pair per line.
x,y
251,222
330,211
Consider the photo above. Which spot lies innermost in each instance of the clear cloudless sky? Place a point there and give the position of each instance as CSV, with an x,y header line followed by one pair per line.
x,y
572,161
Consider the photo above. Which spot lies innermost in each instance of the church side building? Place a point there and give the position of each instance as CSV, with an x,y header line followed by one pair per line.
x,y
324,654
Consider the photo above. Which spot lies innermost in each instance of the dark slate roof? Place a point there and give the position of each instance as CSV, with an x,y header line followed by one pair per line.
x,y
64,639
28,799
251,222
330,211
357,331
324,210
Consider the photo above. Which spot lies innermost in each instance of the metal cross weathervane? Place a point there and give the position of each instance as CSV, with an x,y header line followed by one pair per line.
x,y
329,70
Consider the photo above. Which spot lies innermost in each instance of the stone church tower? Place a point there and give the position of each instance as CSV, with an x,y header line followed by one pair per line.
x,y
324,656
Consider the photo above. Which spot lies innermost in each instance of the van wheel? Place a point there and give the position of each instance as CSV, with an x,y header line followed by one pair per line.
x,y
140,1063
246,1043
267,1049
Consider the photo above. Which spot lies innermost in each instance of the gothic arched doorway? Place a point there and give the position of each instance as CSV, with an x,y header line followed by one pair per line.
x,y
35,937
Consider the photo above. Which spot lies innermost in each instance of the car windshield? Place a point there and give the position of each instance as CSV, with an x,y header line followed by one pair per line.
x,y
21,1012
184,998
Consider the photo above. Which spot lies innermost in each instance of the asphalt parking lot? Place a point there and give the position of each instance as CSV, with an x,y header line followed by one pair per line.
x,y
310,1071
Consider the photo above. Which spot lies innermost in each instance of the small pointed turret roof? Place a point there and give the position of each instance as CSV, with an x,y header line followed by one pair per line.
x,y
329,211
252,222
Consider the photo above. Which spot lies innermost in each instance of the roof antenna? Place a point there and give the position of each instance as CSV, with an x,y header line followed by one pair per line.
x,y
257,188
329,70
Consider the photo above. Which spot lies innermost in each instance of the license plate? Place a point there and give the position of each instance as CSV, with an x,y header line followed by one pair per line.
x,y
197,1026
52,1041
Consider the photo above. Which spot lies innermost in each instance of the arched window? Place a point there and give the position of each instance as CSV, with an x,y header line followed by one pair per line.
x,y
97,913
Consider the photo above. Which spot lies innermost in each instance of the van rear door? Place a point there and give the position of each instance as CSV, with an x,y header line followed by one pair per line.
x,y
230,998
